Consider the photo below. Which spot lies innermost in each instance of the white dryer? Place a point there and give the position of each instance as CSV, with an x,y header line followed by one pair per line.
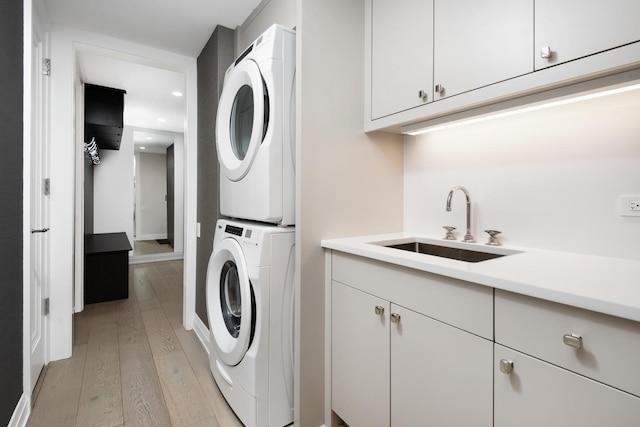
x,y
249,291
255,132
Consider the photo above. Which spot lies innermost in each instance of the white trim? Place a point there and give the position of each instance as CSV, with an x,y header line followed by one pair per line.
x,y
202,332
167,256
23,409
150,237
26,207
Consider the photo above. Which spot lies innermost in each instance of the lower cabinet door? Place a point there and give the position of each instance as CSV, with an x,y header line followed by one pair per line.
x,y
440,375
359,357
533,393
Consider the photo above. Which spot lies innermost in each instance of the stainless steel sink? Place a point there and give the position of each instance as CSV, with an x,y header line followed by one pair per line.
x,y
451,252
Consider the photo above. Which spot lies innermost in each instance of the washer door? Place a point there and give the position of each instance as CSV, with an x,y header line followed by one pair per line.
x,y
230,302
241,120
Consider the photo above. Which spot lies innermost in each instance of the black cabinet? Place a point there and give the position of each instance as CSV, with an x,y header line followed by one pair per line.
x,y
106,267
103,116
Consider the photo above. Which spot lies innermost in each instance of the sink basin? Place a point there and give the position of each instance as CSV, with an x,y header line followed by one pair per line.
x,y
451,252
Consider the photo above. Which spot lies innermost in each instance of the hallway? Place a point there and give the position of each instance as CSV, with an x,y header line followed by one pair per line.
x,y
133,364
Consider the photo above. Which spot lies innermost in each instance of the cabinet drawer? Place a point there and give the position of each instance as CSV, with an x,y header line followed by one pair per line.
x,y
610,346
540,394
465,305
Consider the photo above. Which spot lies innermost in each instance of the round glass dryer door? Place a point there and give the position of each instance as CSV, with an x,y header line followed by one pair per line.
x,y
242,119
230,302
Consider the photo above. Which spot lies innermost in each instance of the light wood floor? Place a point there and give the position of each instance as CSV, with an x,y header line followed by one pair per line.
x,y
146,247
133,364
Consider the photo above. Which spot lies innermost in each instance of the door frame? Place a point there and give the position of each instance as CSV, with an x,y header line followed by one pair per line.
x,y
35,31
65,43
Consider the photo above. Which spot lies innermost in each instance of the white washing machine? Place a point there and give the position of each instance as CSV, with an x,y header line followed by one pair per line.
x,y
250,309
255,132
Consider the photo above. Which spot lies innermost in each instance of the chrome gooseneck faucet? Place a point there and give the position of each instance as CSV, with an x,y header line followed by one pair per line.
x,y
468,238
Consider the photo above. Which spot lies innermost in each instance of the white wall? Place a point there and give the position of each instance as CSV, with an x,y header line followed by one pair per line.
x,y
113,189
151,182
548,179
348,182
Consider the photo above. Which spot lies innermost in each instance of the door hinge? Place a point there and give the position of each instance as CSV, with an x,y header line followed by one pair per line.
x,y
47,186
45,308
46,66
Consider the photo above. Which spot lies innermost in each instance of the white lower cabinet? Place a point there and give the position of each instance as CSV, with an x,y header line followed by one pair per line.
x,y
360,357
560,365
410,348
436,371
537,394
394,367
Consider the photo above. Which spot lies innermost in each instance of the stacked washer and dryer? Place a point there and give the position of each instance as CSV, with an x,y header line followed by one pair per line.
x,y
250,298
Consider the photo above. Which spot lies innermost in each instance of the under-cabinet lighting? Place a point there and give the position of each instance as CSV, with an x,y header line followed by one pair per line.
x,y
421,128
176,93
148,138
143,148
160,119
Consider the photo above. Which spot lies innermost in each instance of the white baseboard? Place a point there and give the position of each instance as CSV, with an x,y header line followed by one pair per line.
x,y
202,332
166,256
21,413
151,236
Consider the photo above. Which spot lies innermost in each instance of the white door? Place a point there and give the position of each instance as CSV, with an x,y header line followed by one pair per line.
x,y
242,118
230,302
39,214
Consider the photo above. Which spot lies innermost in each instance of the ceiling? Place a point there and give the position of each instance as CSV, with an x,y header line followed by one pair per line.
x,y
183,27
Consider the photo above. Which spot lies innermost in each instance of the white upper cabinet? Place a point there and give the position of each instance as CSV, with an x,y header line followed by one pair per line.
x,y
431,60
480,42
569,29
401,55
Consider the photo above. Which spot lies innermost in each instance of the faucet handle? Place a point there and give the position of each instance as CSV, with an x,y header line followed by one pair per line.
x,y
449,235
493,239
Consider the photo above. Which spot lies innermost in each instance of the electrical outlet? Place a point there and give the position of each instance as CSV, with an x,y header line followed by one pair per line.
x,y
629,205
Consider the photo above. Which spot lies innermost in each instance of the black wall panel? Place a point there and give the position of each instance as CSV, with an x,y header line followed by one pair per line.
x,y
11,69
213,61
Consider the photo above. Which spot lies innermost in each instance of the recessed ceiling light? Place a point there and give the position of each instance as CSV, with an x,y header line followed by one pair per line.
x,y
160,119
148,138
143,148
176,93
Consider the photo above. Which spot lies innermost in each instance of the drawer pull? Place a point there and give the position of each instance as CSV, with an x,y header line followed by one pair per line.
x,y
379,309
395,318
572,340
506,366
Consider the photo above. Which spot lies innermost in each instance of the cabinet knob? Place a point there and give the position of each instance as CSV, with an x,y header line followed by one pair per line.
x,y
379,309
439,90
395,318
423,95
506,366
546,52
572,340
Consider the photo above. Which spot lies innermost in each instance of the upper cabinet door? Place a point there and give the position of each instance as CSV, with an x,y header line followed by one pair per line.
x,y
480,42
569,29
401,55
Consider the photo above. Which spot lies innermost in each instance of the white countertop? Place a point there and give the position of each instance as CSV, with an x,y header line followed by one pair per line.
x,y
602,284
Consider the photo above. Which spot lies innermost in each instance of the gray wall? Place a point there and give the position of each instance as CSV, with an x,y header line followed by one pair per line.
x,y
11,41
213,61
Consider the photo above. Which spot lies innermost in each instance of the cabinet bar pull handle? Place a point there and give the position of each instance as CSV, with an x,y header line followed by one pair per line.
x,y
546,52
506,366
439,89
572,340
395,318
42,230
379,309
422,94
